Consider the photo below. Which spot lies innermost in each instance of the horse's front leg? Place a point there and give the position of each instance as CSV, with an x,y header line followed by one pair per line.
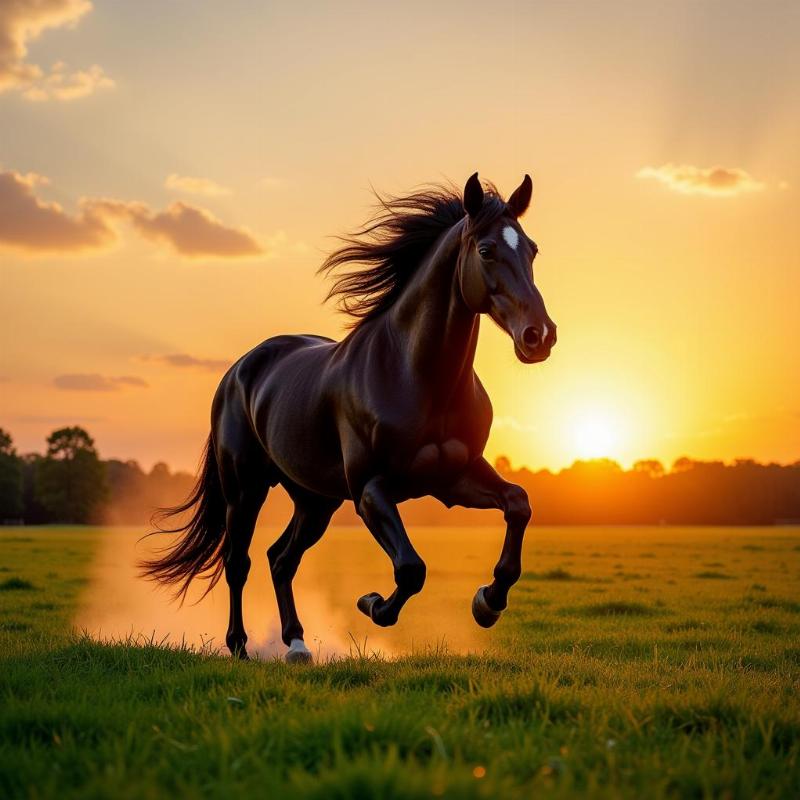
x,y
379,512
481,487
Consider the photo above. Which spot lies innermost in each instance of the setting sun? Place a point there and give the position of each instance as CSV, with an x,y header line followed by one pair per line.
x,y
596,434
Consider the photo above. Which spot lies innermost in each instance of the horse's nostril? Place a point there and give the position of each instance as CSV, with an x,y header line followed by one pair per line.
x,y
531,337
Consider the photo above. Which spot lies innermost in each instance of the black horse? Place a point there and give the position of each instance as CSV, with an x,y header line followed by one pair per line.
x,y
391,412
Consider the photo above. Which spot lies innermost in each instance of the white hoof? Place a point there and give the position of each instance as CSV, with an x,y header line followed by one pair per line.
x,y
298,653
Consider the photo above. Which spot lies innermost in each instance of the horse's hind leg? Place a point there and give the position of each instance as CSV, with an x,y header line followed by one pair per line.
x,y
246,476
311,517
241,521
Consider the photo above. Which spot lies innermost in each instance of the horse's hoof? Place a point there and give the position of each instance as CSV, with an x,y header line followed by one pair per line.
x,y
298,653
239,652
484,615
366,603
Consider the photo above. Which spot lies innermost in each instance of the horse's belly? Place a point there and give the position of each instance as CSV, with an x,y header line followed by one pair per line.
x,y
309,462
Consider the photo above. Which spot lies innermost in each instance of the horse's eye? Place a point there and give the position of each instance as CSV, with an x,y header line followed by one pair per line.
x,y
486,250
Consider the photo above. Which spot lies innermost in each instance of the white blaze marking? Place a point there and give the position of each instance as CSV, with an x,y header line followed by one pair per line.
x,y
511,236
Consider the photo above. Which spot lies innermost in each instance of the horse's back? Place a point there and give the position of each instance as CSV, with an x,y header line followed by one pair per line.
x,y
254,367
241,390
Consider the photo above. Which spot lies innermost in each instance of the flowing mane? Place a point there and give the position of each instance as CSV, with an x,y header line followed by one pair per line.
x,y
375,263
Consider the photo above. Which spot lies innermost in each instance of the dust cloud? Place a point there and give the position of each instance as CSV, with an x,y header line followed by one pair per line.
x,y
344,565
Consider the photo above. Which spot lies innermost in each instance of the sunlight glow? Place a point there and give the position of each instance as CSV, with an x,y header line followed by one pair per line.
x,y
596,434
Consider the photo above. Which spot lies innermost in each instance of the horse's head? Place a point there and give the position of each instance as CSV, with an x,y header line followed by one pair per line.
x,y
496,270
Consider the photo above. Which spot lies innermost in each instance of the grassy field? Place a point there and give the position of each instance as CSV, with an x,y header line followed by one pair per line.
x,y
633,663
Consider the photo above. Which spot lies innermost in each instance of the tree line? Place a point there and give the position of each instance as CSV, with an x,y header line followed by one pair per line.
x,y
70,484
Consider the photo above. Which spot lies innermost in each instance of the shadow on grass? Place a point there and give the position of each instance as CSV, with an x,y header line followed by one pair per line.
x,y
613,608
17,585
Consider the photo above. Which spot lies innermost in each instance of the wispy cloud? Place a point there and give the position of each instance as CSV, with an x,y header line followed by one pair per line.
x,y
93,382
63,85
32,225
712,181
23,21
512,423
193,185
184,360
191,231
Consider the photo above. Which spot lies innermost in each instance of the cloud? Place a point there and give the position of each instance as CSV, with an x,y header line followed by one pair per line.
x,y
93,382
23,21
713,181
185,183
190,231
183,360
60,85
34,226
512,423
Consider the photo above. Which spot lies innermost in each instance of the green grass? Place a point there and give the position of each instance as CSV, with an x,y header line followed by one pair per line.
x,y
603,685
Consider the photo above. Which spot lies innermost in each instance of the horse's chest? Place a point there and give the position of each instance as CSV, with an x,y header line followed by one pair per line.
x,y
432,458
434,443
447,446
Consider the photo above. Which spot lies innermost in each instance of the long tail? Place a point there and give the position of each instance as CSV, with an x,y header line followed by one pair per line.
x,y
199,550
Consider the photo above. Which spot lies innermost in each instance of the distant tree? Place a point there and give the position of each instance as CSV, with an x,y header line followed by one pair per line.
x,y
595,467
649,466
33,512
10,479
503,465
6,443
160,471
683,464
71,479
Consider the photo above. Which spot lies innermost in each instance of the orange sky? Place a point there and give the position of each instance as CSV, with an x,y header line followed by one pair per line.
x,y
200,155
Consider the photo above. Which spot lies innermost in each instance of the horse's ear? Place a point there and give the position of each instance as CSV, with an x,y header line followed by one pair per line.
x,y
473,195
519,201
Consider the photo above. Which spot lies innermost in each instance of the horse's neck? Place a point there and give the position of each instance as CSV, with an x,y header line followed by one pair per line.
x,y
439,332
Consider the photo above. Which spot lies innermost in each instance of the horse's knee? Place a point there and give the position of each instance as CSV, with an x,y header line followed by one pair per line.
x,y
410,576
368,503
517,506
